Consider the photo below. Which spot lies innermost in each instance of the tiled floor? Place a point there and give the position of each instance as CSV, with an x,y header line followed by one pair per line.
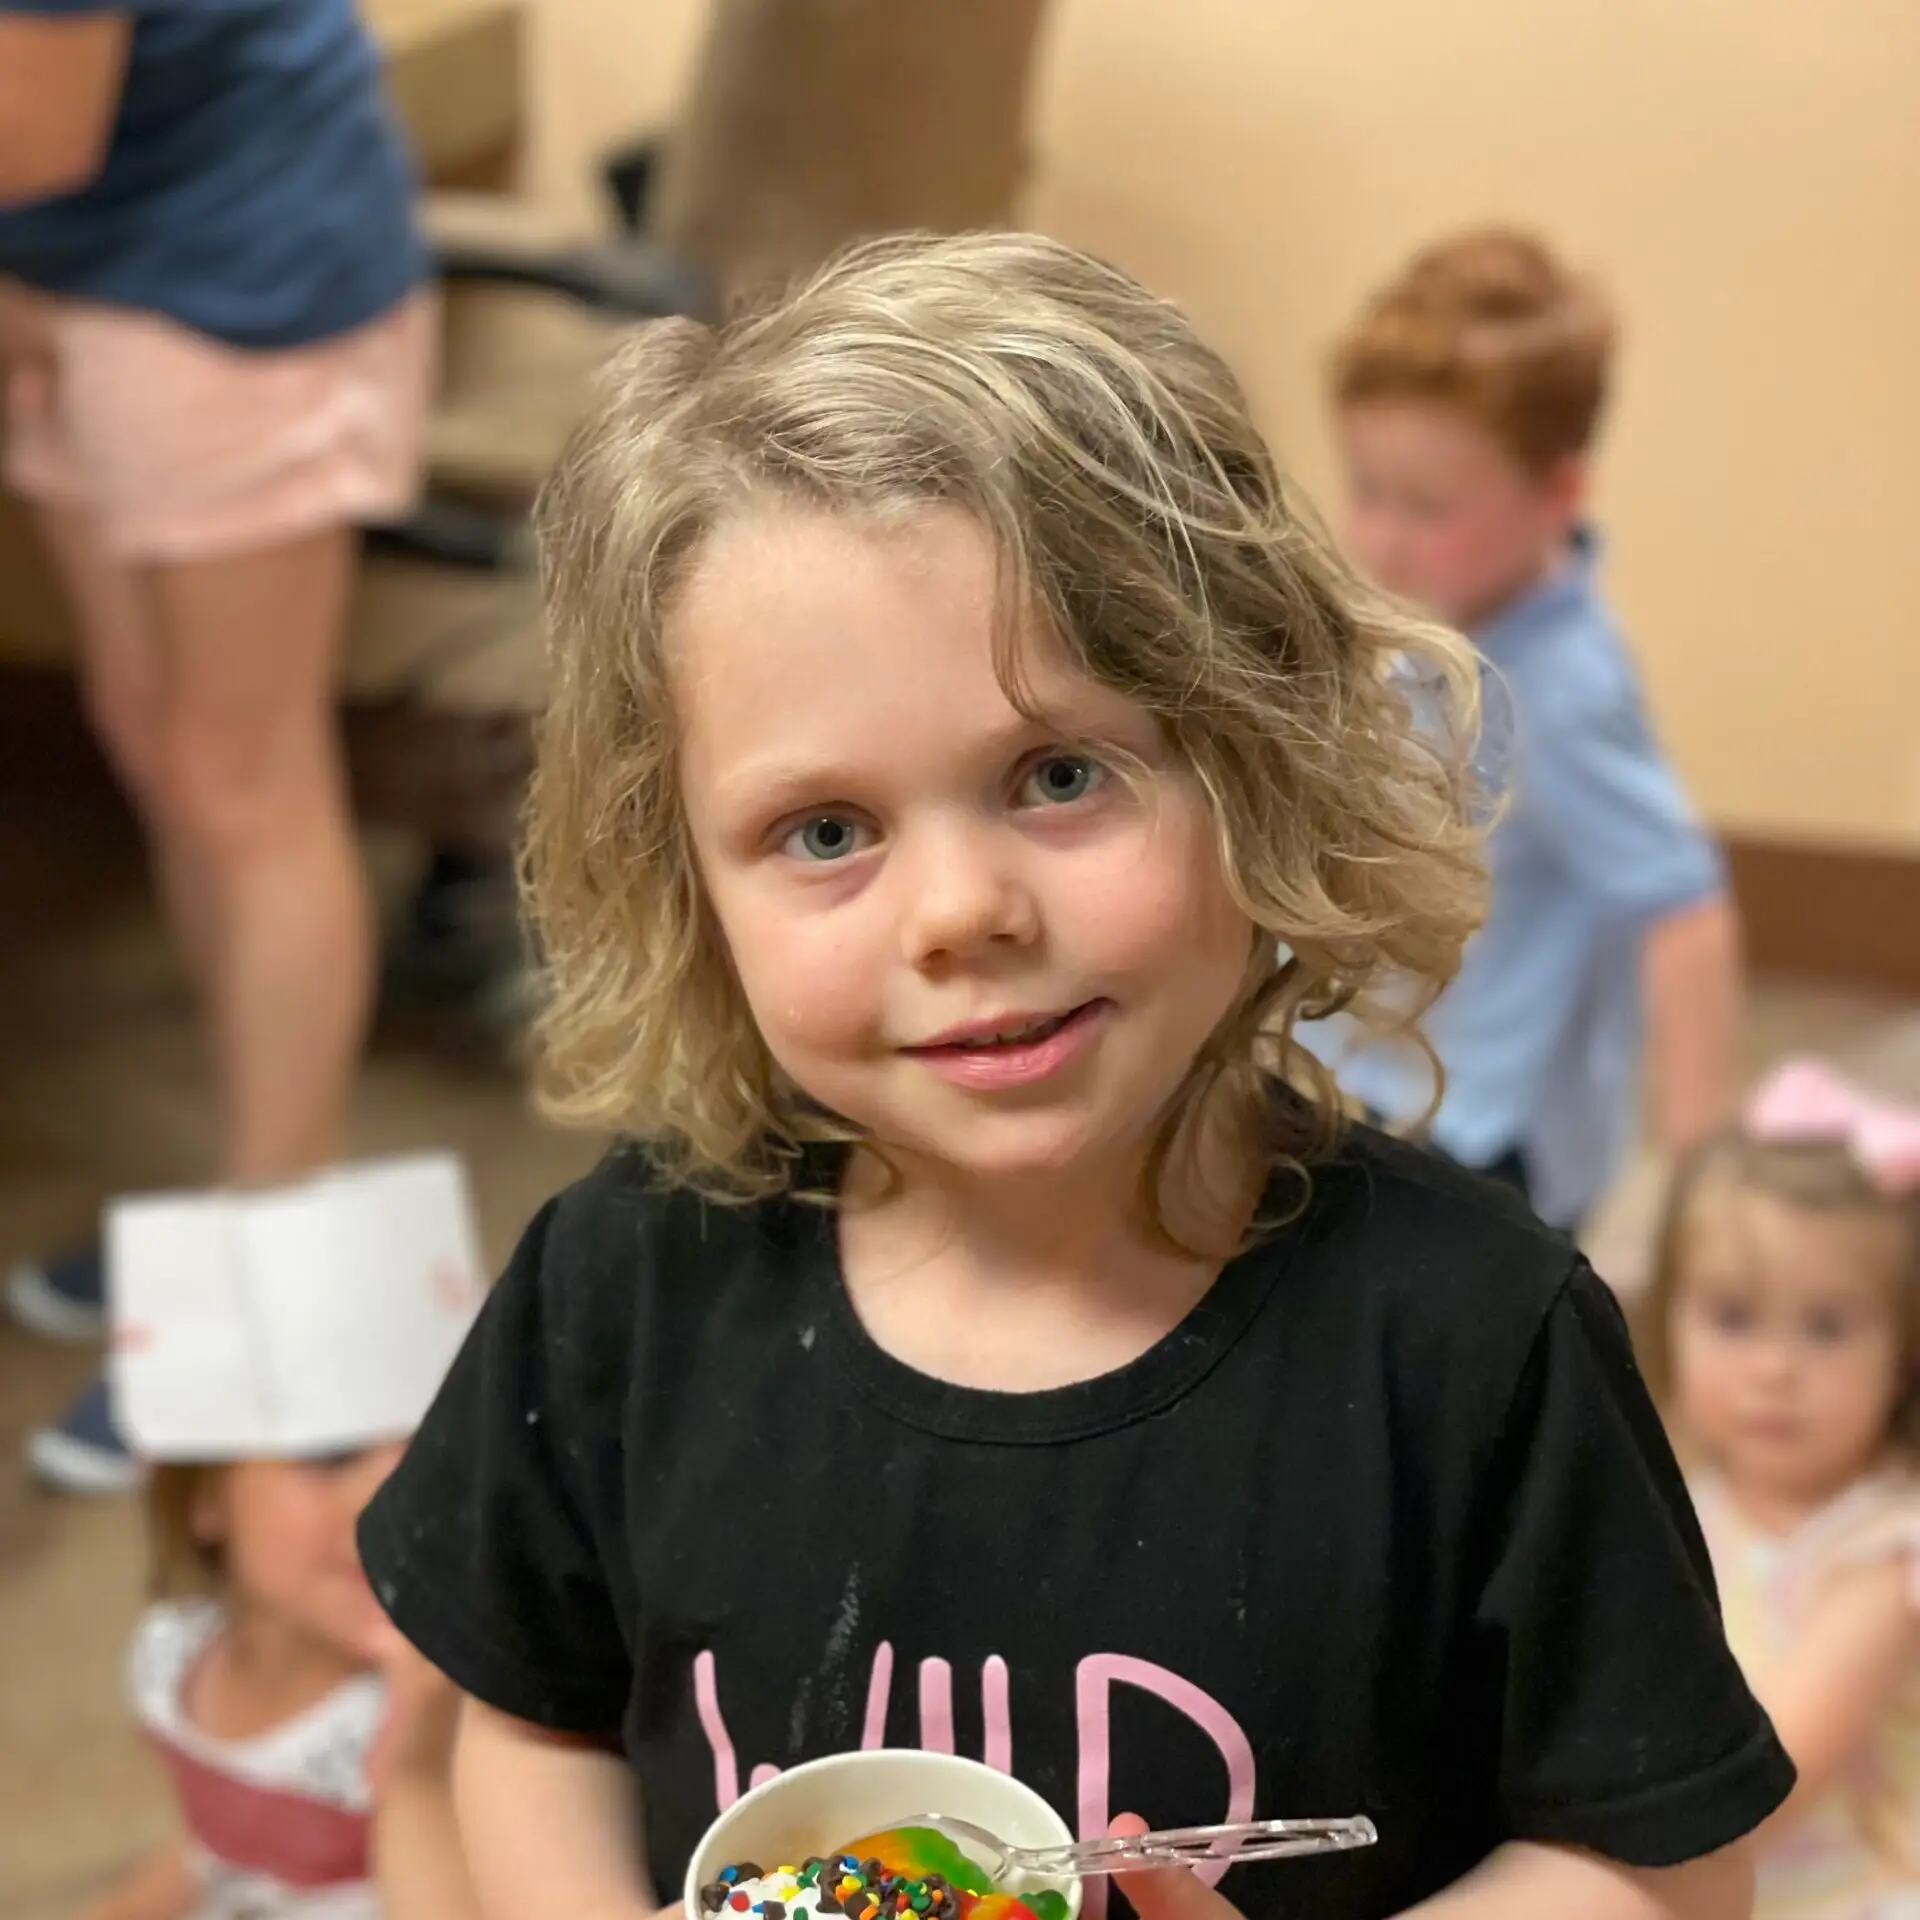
x,y
98,1091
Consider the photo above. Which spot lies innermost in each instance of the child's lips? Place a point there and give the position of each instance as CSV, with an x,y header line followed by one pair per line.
x,y
1008,1029
987,1065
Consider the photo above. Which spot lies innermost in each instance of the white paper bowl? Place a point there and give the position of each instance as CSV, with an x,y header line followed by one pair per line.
x,y
823,1804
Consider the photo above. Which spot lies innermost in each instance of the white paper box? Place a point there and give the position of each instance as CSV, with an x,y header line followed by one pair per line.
x,y
297,1320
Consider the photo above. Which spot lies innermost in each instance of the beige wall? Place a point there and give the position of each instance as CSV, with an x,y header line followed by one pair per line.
x,y
1743,172
603,71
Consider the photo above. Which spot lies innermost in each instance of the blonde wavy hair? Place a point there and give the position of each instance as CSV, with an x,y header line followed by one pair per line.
x,y
1137,515
1814,1176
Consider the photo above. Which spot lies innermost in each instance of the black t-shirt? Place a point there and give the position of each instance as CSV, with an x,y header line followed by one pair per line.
x,y
1387,1525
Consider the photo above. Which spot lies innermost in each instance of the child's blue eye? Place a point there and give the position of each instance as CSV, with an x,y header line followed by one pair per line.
x,y
1064,777
825,839
1730,1316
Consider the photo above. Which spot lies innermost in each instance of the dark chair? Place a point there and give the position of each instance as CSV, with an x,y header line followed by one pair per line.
x,y
444,666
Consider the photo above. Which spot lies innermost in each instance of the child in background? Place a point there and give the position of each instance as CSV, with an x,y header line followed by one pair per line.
x,y
987,1346
1782,1335
1468,395
272,1352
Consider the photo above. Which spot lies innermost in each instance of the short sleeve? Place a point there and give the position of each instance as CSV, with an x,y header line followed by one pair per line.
x,y
1626,1725
483,1546
167,1642
1610,806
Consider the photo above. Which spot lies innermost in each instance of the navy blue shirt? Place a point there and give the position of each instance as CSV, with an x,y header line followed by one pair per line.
x,y
257,187
1541,1032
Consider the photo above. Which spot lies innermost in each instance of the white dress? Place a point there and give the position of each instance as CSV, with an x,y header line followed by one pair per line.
x,y
279,1824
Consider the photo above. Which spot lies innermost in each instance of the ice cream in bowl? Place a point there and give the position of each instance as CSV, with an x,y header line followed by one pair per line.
x,y
994,1851
838,1837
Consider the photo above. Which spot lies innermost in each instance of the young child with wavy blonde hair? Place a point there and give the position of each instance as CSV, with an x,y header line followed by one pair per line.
x,y
965,767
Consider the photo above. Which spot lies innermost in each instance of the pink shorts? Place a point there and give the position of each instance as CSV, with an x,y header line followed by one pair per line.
x,y
185,448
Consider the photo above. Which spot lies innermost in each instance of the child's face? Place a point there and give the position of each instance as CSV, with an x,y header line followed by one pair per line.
x,y
286,1528
899,859
1441,514
1787,1347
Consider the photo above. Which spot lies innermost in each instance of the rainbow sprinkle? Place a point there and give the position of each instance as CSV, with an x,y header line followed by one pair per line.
x,y
907,1873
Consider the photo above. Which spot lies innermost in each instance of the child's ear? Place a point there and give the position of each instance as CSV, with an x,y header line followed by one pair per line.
x,y
1566,486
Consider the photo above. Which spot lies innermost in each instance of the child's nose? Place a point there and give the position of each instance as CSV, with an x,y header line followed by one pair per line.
x,y
1370,539
1776,1356
964,890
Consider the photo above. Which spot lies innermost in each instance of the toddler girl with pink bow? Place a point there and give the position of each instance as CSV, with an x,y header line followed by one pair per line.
x,y
1782,1336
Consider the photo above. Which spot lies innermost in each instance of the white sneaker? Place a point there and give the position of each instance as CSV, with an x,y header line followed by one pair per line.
x,y
62,1299
84,1453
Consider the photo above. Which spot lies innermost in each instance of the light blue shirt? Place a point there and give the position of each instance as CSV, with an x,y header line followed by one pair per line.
x,y
1541,1032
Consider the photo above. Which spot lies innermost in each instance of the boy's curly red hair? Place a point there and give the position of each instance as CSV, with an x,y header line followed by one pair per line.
x,y
1491,323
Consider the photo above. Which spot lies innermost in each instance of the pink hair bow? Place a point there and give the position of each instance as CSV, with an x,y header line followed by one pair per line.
x,y
1805,1100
